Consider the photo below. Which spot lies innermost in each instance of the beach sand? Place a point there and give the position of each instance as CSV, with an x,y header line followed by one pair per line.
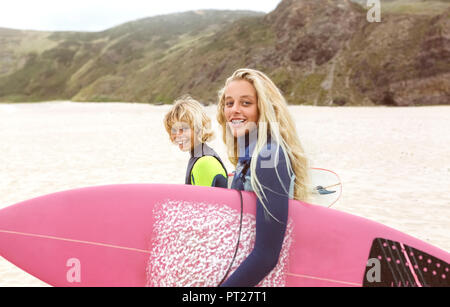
x,y
394,162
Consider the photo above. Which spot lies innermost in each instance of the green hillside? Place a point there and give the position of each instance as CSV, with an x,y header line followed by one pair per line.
x,y
319,52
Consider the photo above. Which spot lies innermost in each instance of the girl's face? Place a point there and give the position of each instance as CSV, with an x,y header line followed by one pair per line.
x,y
241,107
181,134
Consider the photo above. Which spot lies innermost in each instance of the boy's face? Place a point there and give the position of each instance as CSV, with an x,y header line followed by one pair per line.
x,y
181,135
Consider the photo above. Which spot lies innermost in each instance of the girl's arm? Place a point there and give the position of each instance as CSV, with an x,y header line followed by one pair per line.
x,y
269,232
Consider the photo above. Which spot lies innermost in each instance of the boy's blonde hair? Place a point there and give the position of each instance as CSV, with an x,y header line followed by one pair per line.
x,y
188,110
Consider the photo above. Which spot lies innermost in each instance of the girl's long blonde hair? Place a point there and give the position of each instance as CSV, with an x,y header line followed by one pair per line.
x,y
274,119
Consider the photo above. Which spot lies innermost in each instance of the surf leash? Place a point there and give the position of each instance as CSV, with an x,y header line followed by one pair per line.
x,y
238,241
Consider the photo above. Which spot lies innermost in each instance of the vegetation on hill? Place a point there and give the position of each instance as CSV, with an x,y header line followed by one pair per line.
x,y
319,52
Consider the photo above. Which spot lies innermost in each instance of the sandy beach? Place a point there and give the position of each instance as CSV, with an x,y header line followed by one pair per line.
x,y
394,162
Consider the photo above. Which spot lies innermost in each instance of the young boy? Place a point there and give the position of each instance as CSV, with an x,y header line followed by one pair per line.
x,y
189,127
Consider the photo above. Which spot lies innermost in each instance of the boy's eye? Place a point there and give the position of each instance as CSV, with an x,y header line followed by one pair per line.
x,y
179,130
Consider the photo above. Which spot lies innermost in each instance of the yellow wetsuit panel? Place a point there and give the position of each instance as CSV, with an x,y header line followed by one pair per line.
x,y
205,170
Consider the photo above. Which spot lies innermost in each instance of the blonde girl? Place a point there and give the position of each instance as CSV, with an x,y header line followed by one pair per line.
x,y
263,144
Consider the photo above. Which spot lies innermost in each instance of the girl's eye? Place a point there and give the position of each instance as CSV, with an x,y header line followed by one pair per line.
x,y
246,103
229,103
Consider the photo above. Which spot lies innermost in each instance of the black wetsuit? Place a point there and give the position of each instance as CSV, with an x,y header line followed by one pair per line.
x,y
269,232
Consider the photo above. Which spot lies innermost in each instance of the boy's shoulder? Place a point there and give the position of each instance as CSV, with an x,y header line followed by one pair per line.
x,y
207,162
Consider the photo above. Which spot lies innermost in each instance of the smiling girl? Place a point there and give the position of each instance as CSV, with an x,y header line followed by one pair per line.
x,y
262,143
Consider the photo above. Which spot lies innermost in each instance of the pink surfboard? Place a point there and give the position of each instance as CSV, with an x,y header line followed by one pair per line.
x,y
180,235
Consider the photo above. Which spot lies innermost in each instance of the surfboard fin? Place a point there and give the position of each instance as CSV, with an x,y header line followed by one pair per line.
x,y
323,191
